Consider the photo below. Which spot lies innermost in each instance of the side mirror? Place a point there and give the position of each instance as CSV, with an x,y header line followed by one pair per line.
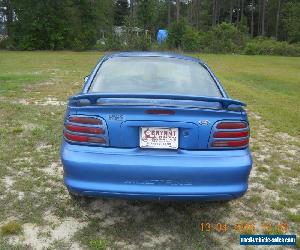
x,y
86,78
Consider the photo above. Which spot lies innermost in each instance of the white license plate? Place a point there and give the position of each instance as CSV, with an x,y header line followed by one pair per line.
x,y
152,137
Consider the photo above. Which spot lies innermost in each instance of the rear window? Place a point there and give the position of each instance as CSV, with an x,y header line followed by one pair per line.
x,y
154,75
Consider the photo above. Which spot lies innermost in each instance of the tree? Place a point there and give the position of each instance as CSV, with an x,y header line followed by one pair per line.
x,y
214,14
231,11
7,13
252,18
291,21
277,19
131,7
146,13
242,11
176,33
263,15
169,13
77,24
121,10
238,11
48,25
177,10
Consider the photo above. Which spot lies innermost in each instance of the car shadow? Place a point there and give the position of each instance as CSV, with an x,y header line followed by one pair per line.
x,y
157,224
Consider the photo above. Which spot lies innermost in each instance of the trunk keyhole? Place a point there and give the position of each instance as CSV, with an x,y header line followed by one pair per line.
x,y
186,133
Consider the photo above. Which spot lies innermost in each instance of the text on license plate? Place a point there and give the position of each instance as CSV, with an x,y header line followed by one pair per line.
x,y
153,137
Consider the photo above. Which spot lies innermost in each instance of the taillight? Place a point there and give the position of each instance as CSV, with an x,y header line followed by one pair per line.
x,y
239,143
80,138
231,125
85,120
230,134
82,129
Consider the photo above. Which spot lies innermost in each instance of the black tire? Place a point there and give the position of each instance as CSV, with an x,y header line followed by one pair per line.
x,y
83,200
75,197
225,202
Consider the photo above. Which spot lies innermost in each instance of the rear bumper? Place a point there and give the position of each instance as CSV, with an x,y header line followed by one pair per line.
x,y
156,174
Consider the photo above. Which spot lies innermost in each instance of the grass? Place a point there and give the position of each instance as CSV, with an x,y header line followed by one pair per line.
x,y
98,244
10,228
269,85
294,217
31,187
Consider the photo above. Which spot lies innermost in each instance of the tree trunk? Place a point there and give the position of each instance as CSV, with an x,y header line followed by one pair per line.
x,y
238,11
177,10
218,11
198,9
277,19
169,13
263,14
214,13
231,11
242,12
131,7
9,16
190,13
252,18
259,17
195,10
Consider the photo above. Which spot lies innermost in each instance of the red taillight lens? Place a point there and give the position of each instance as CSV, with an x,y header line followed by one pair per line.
x,y
231,144
231,125
85,120
82,138
231,134
78,138
85,129
80,129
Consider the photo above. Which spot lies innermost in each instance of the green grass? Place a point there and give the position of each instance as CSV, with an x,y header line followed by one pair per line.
x,y
98,244
294,217
262,169
270,86
12,227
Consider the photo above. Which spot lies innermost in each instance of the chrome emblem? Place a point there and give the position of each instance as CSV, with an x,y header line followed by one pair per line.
x,y
204,122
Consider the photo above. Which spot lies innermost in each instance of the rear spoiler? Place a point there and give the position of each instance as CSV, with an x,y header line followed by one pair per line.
x,y
93,98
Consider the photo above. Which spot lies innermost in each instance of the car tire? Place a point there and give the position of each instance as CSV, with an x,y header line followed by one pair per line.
x,y
79,198
74,196
225,202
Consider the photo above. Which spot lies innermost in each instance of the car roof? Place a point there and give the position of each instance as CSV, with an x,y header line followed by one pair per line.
x,y
153,54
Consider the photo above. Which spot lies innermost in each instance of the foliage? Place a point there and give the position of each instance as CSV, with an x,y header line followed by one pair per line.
x,y
263,46
112,42
223,38
176,33
209,26
57,24
127,40
146,14
292,21
120,12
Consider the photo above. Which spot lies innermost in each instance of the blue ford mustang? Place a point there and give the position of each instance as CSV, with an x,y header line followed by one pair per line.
x,y
155,126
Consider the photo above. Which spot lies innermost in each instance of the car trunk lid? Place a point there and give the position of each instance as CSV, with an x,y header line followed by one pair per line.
x,y
193,116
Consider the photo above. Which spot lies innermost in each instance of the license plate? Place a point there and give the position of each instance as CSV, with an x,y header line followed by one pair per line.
x,y
152,137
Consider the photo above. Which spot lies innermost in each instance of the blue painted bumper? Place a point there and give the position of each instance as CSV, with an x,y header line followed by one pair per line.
x,y
156,174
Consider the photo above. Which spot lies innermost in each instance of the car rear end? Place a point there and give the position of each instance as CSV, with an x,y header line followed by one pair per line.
x,y
156,146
